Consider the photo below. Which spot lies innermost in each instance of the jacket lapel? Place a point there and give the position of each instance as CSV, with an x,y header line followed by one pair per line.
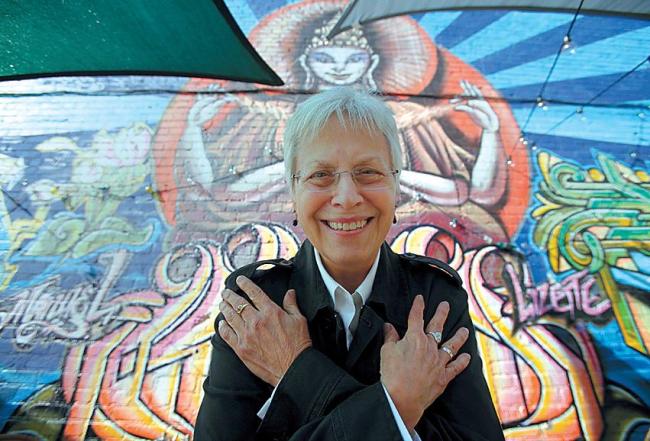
x,y
387,302
310,289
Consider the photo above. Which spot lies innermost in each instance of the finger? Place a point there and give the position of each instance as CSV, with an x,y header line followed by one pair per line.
x,y
255,293
466,91
437,322
471,89
477,92
227,334
457,366
237,302
390,334
289,303
464,108
233,319
416,316
456,342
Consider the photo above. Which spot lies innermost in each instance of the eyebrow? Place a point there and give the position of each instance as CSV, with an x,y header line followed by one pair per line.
x,y
364,161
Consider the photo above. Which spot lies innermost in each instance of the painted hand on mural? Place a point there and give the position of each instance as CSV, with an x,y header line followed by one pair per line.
x,y
474,104
415,370
265,337
207,106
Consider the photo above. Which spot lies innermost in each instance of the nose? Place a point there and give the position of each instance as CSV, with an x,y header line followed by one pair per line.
x,y
340,66
346,193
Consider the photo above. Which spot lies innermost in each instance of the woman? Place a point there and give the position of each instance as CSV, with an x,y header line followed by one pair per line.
x,y
367,344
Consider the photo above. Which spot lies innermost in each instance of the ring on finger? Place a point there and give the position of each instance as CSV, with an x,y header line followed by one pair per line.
x,y
240,308
437,336
448,351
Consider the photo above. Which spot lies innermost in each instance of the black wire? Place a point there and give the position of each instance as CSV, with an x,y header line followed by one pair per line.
x,y
598,95
540,95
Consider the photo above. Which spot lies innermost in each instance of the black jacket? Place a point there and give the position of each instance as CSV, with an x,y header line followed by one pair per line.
x,y
330,393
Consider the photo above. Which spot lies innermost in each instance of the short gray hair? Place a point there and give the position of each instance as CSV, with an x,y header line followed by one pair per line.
x,y
353,108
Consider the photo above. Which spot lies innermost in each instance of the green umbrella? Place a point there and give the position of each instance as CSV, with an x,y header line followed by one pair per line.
x,y
197,38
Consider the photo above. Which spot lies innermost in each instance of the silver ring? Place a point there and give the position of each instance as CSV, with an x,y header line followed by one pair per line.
x,y
437,336
448,351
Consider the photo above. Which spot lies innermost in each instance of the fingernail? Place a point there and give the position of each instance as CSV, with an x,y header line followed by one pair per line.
x,y
445,304
220,325
464,330
239,279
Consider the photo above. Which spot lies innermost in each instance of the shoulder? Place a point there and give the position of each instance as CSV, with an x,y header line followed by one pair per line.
x,y
261,269
429,265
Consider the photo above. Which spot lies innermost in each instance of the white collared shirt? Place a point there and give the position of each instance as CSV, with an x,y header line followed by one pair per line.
x,y
344,306
341,298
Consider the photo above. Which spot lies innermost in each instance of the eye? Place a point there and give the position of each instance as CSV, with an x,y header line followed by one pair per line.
x,y
367,171
358,58
320,178
319,57
368,175
319,174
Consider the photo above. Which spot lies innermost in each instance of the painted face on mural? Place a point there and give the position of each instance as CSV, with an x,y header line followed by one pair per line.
x,y
348,222
339,65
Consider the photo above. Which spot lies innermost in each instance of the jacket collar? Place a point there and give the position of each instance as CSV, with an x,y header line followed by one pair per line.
x,y
389,296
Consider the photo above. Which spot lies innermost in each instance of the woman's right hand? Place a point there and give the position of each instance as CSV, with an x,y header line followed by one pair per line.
x,y
416,369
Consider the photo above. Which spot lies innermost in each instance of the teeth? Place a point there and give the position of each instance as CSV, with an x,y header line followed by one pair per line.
x,y
347,226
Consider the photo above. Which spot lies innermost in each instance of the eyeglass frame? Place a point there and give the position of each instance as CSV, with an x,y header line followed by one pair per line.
x,y
297,176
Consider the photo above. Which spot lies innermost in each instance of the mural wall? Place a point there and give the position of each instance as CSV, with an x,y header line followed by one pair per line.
x,y
126,201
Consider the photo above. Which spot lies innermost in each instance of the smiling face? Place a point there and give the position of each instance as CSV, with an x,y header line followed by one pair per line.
x,y
346,224
339,65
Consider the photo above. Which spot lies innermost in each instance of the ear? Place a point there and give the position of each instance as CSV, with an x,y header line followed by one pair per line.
x,y
309,79
374,61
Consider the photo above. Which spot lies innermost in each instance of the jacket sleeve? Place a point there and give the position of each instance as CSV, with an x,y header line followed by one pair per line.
x,y
232,397
315,401
465,410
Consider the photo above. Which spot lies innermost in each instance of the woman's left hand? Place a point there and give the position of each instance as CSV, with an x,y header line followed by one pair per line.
x,y
265,337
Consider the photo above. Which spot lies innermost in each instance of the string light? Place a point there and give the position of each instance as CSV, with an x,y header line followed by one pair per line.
x,y
580,110
566,40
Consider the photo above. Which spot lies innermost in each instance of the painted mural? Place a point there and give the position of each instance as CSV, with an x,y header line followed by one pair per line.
x,y
126,201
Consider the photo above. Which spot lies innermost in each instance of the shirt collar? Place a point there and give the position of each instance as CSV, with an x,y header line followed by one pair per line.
x,y
364,289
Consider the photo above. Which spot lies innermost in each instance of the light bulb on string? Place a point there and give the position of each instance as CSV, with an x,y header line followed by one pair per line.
x,y
581,111
568,45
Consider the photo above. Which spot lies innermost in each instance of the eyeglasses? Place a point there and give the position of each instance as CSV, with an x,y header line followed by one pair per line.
x,y
365,178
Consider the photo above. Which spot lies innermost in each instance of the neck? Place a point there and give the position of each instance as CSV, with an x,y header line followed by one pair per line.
x,y
348,278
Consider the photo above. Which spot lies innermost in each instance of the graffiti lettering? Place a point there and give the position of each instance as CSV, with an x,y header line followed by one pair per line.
x,y
574,296
47,310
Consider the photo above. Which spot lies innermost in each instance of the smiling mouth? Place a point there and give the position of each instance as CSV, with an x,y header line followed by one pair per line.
x,y
347,226
340,76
